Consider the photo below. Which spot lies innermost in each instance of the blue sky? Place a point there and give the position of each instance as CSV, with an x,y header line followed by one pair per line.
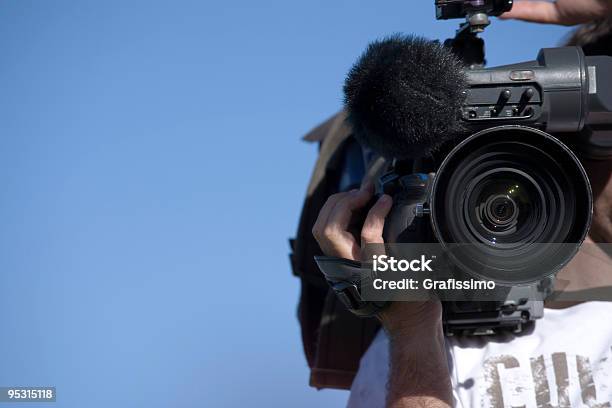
x,y
152,170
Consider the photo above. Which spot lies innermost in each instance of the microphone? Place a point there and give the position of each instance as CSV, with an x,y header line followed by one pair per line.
x,y
404,95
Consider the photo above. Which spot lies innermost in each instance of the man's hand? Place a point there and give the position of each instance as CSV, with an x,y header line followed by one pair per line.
x,y
419,373
331,230
563,12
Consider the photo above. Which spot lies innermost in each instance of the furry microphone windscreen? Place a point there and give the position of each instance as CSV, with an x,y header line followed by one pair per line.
x,y
403,96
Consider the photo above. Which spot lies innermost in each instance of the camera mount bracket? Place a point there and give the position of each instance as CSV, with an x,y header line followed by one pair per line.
x,y
466,44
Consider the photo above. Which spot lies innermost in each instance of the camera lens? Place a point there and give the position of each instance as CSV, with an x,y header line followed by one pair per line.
x,y
500,209
503,206
499,212
511,204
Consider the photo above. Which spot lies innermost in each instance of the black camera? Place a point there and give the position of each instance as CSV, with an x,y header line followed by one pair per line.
x,y
483,162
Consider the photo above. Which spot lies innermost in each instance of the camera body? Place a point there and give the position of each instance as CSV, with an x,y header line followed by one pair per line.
x,y
562,91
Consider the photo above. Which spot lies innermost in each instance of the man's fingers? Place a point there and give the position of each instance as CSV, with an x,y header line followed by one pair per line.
x,y
331,227
326,210
374,224
535,11
341,215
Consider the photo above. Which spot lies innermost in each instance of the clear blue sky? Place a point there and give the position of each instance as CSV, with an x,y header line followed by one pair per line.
x,y
151,171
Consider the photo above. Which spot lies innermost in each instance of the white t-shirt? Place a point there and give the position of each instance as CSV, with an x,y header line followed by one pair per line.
x,y
565,361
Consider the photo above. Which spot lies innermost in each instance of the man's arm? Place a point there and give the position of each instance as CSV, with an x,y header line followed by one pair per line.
x,y
419,375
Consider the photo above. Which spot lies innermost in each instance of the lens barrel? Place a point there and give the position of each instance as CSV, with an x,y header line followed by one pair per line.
x,y
511,204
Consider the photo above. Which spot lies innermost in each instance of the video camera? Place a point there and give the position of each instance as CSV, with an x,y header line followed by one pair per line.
x,y
512,194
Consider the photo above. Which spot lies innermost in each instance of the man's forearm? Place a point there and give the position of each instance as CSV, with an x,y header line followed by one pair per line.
x,y
419,374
